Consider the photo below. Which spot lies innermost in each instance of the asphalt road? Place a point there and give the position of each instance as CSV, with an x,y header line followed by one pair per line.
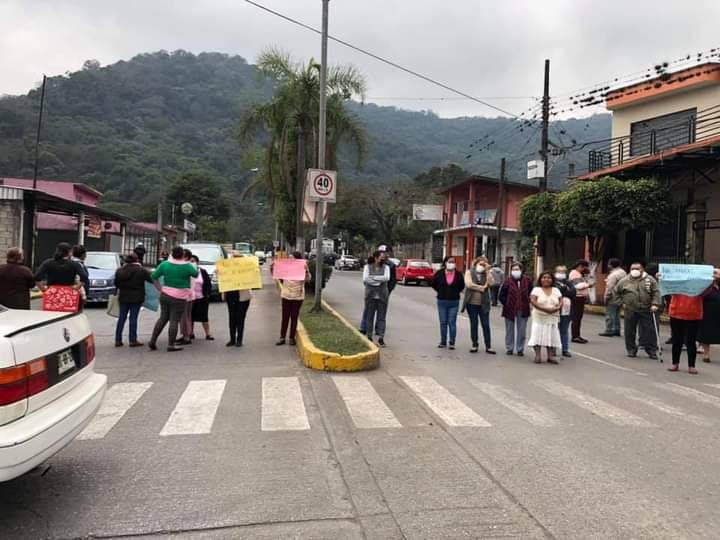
x,y
223,443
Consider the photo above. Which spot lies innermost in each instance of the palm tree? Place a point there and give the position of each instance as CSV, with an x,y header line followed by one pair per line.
x,y
291,121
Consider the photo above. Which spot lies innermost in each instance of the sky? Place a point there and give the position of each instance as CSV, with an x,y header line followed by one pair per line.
x,y
491,49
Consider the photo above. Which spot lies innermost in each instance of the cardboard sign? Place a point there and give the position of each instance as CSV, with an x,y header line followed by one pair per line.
x,y
289,269
238,273
61,298
687,279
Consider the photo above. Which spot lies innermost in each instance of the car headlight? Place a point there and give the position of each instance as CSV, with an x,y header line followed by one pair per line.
x,y
98,282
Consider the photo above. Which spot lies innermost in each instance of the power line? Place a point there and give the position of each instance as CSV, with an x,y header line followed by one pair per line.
x,y
383,60
383,98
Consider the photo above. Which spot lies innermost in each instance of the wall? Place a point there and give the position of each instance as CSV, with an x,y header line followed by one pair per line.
x,y
702,98
10,213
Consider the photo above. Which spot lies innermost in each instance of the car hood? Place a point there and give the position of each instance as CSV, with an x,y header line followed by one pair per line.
x,y
13,320
209,268
100,273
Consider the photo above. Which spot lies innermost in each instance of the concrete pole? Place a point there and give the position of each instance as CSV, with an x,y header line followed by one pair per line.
x,y
81,228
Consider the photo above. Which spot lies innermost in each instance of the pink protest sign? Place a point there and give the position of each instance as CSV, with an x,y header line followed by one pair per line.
x,y
290,269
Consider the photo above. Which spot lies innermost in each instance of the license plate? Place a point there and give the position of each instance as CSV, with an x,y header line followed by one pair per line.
x,y
421,277
66,362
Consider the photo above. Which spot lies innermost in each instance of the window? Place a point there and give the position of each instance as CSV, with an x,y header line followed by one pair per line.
x,y
486,216
419,264
662,132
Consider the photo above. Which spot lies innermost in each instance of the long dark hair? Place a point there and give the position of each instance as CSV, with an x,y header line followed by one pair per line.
x,y
62,251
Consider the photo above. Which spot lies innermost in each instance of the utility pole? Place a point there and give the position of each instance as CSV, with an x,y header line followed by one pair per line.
x,y
322,134
499,212
541,243
37,136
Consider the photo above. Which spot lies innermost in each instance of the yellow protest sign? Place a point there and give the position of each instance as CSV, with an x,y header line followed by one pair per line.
x,y
238,273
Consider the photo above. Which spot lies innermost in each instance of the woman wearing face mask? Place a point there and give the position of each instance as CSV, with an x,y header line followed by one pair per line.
x,y
202,289
710,327
448,283
376,276
515,298
292,294
186,325
547,302
477,301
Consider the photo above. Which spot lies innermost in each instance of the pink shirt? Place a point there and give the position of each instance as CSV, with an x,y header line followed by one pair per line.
x,y
450,277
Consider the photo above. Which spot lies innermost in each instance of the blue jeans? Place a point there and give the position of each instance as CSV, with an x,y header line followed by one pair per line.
x,y
477,314
612,319
564,327
133,310
363,321
448,311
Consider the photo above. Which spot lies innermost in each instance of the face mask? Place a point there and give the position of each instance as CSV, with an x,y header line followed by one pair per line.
x,y
635,273
517,274
480,269
560,276
450,266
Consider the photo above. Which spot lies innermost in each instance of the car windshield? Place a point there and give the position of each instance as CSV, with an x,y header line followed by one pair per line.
x,y
101,261
206,254
419,264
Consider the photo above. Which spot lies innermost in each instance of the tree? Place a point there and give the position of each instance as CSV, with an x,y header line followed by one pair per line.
x,y
210,207
291,122
538,215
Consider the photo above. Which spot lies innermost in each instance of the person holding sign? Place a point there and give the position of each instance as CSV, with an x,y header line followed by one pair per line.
x,y
709,333
640,295
238,302
292,275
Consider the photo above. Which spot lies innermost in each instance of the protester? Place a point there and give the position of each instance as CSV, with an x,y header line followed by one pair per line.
x,y
202,291
709,333
639,294
292,294
376,277
140,252
612,310
16,281
580,280
385,251
515,298
61,270
448,283
174,295
568,295
686,313
186,322
498,277
238,303
79,254
478,283
130,281
544,332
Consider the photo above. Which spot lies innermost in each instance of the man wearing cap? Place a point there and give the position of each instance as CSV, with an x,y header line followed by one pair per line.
x,y
385,251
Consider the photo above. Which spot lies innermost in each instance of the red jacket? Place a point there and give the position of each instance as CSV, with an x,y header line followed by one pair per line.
x,y
686,308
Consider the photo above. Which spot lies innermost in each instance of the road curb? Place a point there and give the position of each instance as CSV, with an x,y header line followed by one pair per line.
x,y
315,358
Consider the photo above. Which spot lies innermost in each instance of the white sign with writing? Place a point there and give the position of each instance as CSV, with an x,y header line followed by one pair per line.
x,y
427,212
321,186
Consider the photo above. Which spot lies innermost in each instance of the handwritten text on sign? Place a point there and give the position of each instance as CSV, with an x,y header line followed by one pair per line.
x,y
687,279
289,269
238,273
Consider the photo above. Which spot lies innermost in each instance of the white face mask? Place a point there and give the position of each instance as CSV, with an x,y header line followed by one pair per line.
x,y
480,269
450,266
517,274
635,273
560,276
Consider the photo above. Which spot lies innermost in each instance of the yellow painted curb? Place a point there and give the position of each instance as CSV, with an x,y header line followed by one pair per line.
x,y
315,358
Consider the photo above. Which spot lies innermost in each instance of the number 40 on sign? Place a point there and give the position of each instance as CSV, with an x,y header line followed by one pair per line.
x,y
321,185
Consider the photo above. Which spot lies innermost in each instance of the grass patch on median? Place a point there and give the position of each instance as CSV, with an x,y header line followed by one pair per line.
x,y
329,333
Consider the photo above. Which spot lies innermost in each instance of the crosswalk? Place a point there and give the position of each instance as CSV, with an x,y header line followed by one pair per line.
x,y
473,403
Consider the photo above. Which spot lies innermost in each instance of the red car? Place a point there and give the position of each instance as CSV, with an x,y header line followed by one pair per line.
x,y
414,271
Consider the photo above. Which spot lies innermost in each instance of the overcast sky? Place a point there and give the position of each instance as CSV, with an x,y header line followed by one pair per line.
x,y
487,48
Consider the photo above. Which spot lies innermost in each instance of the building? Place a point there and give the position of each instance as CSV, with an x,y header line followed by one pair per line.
x,y
668,127
471,219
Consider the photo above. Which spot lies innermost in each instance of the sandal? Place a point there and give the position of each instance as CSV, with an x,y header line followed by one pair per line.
x,y
692,371
675,367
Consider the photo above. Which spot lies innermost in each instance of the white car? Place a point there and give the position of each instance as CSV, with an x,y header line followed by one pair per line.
x,y
49,390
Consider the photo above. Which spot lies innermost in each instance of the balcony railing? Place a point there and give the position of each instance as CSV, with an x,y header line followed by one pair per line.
x,y
619,150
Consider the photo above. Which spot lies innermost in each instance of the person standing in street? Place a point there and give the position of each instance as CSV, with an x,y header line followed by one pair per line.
x,y
376,278
639,294
580,280
130,281
498,278
238,303
515,298
16,281
385,252
61,270
568,295
477,301
292,294
140,252
612,310
686,313
709,333
448,283
546,301
79,254
186,323
202,291
177,273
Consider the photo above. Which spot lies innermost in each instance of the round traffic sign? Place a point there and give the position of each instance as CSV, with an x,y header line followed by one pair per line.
x,y
323,185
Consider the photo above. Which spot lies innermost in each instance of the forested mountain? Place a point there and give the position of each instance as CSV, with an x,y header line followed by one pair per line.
x,y
130,128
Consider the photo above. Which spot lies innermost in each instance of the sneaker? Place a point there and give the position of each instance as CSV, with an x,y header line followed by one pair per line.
x,y
136,344
118,343
238,344
606,334
567,354
490,351
152,346
230,344
174,348
441,346
632,355
209,338
474,349
520,353
280,341
451,346
509,353
381,342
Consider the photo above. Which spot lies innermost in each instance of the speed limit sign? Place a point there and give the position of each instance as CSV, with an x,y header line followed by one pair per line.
x,y
321,185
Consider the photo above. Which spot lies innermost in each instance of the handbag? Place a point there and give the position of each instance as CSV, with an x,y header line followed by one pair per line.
x,y
113,307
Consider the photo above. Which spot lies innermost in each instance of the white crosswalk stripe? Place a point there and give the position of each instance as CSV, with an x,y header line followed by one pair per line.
x,y
713,385
366,407
119,399
596,406
449,408
283,408
655,403
531,412
195,412
691,393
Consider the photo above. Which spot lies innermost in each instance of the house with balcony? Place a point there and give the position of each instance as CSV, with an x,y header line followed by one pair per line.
x,y
668,127
473,209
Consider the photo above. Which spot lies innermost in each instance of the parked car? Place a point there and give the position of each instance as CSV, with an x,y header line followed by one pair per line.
x,y
208,253
347,262
261,256
414,271
49,391
101,267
